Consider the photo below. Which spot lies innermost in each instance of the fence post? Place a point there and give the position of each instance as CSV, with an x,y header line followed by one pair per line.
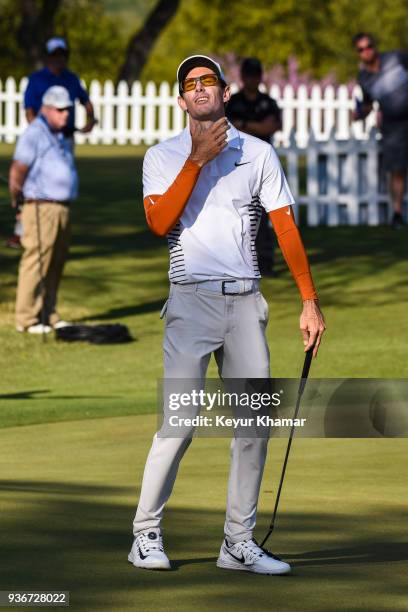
x,y
372,178
288,113
302,116
164,111
122,108
343,113
316,111
150,113
352,180
136,113
328,112
312,182
275,93
292,158
178,117
21,120
95,95
108,115
332,180
10,110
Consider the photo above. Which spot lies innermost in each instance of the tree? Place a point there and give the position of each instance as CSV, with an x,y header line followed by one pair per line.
x,y
36,26
94,37
141,44
316,32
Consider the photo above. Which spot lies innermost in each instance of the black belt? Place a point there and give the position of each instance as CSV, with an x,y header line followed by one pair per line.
x,y
44,201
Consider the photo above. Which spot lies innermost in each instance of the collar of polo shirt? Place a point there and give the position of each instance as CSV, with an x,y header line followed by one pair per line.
x,y
233,139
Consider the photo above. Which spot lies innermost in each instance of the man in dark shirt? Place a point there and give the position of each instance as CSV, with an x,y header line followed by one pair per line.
x,y
257,114
383,77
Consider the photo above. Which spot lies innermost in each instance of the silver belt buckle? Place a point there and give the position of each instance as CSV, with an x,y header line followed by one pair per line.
x,y
223,283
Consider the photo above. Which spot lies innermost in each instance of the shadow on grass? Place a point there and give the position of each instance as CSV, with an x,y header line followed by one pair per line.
x,y
118,313
32,395
76,537
86,245
24,394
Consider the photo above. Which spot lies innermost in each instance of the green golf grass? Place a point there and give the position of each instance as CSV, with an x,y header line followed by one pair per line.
x,y
67,500
75,426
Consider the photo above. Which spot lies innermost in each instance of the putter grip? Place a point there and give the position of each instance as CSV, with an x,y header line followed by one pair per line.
x,y
306,367
307,363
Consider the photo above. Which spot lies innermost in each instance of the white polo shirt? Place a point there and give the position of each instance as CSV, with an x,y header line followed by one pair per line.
x,y
215,236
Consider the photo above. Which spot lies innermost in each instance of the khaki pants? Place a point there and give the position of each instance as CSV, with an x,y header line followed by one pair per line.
x,y
199,323
54,233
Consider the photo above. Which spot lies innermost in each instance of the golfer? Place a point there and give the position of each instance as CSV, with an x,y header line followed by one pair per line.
x,y
43,175
384,77
205,189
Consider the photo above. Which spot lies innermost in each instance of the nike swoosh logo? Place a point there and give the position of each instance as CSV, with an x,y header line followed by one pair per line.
x,y
141,555
242,163
288,211
240,559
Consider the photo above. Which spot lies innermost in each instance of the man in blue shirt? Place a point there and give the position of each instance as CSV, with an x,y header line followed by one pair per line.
x,y
55,72
43,175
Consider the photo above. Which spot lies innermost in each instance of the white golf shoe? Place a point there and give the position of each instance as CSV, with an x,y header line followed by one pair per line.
x,y
250,557
38,328
147,551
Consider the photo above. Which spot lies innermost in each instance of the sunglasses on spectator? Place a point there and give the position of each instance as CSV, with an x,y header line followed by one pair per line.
x,y
208,80
62,110
361,49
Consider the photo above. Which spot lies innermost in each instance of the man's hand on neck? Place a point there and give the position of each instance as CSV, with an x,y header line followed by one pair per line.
x,y
208,139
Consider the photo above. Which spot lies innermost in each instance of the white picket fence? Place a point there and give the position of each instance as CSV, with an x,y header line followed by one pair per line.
x,y
344,182
150,114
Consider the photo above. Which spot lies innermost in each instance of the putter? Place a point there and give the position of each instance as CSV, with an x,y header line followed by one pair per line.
x,y
41,270
302,384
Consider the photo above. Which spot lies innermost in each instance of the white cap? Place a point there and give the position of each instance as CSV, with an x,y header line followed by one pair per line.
x,y
195,61
57,96
56,43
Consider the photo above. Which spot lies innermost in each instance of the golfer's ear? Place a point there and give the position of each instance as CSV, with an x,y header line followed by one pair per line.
x,y
227,94
182,103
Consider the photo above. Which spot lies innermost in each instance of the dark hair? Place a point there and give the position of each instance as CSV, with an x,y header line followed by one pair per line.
x,y
357,37
251,66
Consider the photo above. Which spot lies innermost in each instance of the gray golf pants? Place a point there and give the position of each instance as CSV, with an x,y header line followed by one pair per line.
x,y
200,322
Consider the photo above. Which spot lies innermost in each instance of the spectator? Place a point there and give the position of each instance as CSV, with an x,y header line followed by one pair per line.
x,y
43,175
55,72
257,114
383,77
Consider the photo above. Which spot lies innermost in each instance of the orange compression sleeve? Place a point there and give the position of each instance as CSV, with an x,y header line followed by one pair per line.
x,y
163,211
293,250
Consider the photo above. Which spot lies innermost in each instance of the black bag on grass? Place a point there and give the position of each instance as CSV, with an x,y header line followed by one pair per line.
x,y
114,333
